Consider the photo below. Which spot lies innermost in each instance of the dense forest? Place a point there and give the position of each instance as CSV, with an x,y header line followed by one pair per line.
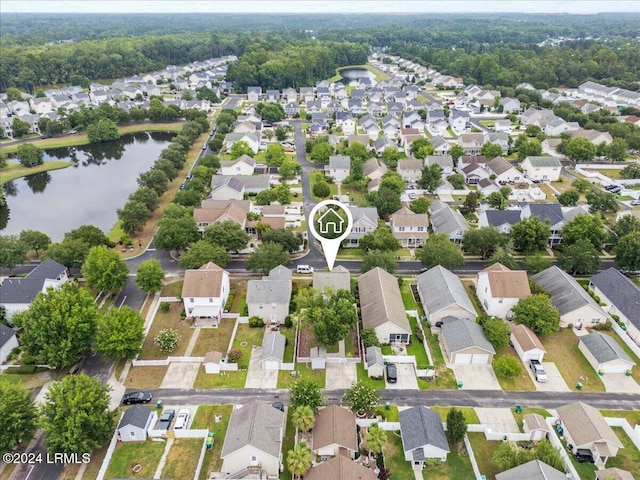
x,y
294,50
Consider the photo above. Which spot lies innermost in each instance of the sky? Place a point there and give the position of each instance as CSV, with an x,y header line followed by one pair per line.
x,y
317,6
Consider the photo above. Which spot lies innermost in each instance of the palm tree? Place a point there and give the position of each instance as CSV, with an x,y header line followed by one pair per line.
x,y
303,418
299,460
376,439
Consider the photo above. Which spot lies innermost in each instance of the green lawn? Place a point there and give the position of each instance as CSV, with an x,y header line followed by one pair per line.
x,y
458,465
207,381
287,444
290,334
445,378
469,413
416,348
521,382
363,377
128,454
214,339
27,381
632,416
394,458
183,458
520,416
167,320
246,337
585,470
483,451
285,379
628,458
391,415
15,170
205,418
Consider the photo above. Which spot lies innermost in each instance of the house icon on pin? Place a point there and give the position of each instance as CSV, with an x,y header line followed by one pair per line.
x,y
330,222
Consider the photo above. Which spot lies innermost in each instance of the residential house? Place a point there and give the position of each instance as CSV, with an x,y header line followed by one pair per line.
x,y
621,298
510,105
365,220
253,443
226,188
471,143
446,220
527,344
205,292
445,162
307,94
459,120
272,356
273,96
374,362
291,109
499,289
545,169
464,342
16,294
547,212
8,341
440,145
41,105
218,211
243,165
533,470
290,95
410,169
502,125
576,307
486,186
409,228
135,423
498,138
604,353
474,172
442,294
334,433
337,279
251,183
269,297
613,473
593,136
340,468
382,308
423,436
339,167
436,122
584,427
382,143
251,139
254,94
504,171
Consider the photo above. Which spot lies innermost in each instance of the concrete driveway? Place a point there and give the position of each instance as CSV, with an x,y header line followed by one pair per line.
x,y
258,377
340,375
555,382
180,375
499,420
407,379
476,377
619,383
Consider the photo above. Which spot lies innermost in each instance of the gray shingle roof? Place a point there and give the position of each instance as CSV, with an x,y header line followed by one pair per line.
x,y
544,161
420,426
440,289
463,333
273,346
546,211
566,294
269,291
621,292
373,356
256,424
20,290
604,348
232,183
136,416
7,332
47,269
496,218
339,161
533,470
446,220
249,181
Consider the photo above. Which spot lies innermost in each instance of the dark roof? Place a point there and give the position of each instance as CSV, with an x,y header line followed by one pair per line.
x,y
620,291
604,348
20,290
463,333
5,334
496,218
136,416
533,470
566,294
420,426
546,211
47,269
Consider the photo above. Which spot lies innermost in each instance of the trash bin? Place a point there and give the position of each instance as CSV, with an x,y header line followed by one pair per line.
x,y
579,386
460,384
159,404
210,440
518,409
387,406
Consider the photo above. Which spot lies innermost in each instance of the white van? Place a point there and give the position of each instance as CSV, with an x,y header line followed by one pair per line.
x,y
304,269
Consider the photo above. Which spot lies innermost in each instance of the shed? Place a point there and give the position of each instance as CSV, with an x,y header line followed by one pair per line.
x,y
318,358
273,347
535,425
533,470
527,344
375,362
135,423
464,342
212,362
604,353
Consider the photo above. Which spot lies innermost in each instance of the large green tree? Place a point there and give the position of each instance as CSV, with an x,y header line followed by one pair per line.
x,y
150,275
376,258
120,334
616,151
625,225
305,392
569,198
381,239
584,226
530,234
133,216
240,148
70,253
59,325
385,200
154,179
491,150
104,130
529,148
601,201
13,251
538,313
285,237
483,241
580,150
299,460
267,256
274,155
331,314
303,418
579,258
456,426
89,234
104,270
17,415
202,252
496,330
628,252
35,240
176,233
76,416
361,398
228,234
496,200
439,250
431,177
30,155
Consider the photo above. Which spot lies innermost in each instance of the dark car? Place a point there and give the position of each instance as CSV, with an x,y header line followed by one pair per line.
x,y
137,397
584,455
392,373
166,418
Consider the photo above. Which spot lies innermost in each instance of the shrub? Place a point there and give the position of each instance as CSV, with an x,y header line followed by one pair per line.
x,y
603,326
615,317
27,359
288,322
418,334
167,340
164,307
256,322
234,355
507,366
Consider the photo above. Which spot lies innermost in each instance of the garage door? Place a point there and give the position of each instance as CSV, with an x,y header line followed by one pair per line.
x,y
463,358
533,356
271,365
614,367
480,359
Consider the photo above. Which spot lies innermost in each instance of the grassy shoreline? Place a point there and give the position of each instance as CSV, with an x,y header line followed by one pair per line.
x,y
15,170
82,139
379,75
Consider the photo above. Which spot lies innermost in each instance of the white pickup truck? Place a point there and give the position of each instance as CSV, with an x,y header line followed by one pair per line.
x,y
538,371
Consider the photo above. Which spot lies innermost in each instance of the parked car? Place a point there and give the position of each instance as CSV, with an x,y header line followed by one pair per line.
x,y
137,397
392,373
584,455
304,269
635,203
165,419
182,421
538,370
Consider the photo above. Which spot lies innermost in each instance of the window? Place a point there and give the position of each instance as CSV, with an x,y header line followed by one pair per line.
x,y
210,300
191,300
273,305
260,306
401,229
595,320
500,300
421,229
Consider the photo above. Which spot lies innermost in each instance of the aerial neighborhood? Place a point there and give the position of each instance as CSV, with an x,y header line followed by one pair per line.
x,y
481,320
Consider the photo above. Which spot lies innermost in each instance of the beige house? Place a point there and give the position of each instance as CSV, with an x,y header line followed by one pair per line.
x,y
381,306
334,433
204,294
499,289
535,424
253,441
464,342
409,228
546,169
340,468
337,279
410,169
584,427
208,216
228,188
527,344
374,169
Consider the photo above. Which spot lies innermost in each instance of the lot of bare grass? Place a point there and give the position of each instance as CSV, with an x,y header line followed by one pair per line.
x,y
164,320
214,339
183,457
173,289
145,377
458,465
470,415
483,451
246,339
285,379
628,458
562,349
205,418
208,381
129,454
632,416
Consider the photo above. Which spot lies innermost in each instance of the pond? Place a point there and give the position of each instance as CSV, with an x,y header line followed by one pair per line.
x,y
88,192
352,74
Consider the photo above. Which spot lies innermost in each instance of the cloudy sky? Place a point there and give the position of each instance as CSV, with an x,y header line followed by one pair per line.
x,y
316,6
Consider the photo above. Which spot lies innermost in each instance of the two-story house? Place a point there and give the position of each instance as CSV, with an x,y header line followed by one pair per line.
x,y
409,228
204,293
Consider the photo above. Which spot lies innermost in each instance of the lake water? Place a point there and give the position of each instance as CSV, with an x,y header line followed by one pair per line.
x,y
353,74
88,192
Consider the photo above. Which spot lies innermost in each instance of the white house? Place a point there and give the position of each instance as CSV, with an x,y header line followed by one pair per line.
x,y
422,435
243,165
504,171
374,362
446,220
273,346
546,169
135,423
339,167
527,344
227,188
604,353
499,289
251,139
269,298
8,341
204,293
